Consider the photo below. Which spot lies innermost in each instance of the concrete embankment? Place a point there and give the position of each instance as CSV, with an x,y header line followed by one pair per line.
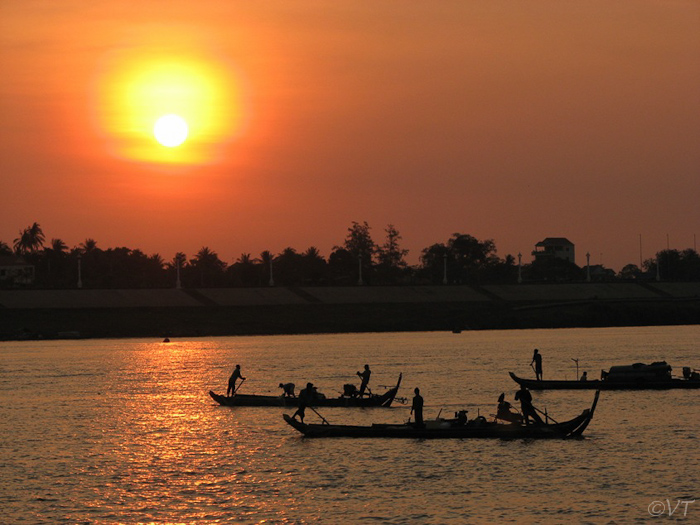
x,y
28,314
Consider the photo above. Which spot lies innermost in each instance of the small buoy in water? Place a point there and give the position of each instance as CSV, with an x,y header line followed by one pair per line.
x,y
166,340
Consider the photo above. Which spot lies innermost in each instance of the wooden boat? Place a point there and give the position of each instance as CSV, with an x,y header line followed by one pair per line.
x,y
253,400
656,376
452,428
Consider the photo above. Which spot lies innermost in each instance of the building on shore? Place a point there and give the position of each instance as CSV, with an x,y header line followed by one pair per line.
x,y
555,248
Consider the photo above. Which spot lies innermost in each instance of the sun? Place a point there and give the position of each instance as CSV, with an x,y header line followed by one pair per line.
x,y
166,96
170,130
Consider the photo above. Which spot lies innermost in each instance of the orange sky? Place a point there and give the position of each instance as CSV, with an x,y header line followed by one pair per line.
x,y
506,120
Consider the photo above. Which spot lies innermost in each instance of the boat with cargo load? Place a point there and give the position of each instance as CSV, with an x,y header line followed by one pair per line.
x,y
656,376
350,399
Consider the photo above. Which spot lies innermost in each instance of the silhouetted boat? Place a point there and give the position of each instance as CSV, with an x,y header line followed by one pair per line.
x,y
253,400
656,376
451,428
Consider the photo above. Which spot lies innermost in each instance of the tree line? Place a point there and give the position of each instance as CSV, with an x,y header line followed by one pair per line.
x,y
462,259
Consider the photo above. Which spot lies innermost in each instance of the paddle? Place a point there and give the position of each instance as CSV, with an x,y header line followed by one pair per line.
x,y
547,416
319,415
239,386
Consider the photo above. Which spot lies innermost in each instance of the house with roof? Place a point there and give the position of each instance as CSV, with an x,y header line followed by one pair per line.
x,y
555,248
14,271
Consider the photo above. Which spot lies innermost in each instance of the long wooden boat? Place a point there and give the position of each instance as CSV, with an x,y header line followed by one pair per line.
x,y
452,428
253,400
639,376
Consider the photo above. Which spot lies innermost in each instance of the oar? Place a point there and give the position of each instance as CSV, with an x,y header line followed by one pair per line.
x,y
547,416
239,386
319,415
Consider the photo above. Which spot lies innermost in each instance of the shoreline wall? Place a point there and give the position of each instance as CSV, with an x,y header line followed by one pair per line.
x,y
46,314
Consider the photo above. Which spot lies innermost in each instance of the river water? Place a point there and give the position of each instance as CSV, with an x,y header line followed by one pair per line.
x,y
123,431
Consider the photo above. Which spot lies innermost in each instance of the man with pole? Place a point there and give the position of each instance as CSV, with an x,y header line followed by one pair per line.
x,y
537,359
235,376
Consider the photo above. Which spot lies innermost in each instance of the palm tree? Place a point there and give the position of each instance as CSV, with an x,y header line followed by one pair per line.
x,y
30,240
5,249
58,246
88,246
209,265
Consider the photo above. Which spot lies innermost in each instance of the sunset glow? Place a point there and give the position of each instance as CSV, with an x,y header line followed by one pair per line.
x,y
506,121
197,94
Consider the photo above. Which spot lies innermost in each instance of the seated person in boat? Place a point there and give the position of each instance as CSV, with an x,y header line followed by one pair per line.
x,y
287,389
584,376
364,375
505,413
461,417
528,410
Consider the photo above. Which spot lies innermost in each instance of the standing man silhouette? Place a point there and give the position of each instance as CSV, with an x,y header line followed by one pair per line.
x,y
365,375
529,413
417,408
537,359
232,380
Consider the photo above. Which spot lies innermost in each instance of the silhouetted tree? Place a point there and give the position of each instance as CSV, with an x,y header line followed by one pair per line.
x,y
361,247
433,259
267,273
471,257
391,264
55,264
629,272
675,265
288,269
245,271
207,265
30,240
314,265
342,267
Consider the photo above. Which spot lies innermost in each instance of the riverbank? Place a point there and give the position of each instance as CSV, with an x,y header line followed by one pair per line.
x,y
48,314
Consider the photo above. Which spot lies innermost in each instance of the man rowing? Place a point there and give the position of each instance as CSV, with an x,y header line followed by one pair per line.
x,y
528,410
307,396
364,375
235,376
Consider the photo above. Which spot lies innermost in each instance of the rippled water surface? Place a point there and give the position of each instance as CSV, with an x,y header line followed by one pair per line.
x,y
123,431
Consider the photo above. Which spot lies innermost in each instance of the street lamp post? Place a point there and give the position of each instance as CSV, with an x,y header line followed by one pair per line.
x,y
444,269
178,284
80,278
588,267
359,264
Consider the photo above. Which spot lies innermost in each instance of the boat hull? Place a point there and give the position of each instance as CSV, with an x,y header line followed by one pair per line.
x,y
608,384
252,400
450,429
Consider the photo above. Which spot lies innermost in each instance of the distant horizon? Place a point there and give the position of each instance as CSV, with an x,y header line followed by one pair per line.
x,y
504,121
